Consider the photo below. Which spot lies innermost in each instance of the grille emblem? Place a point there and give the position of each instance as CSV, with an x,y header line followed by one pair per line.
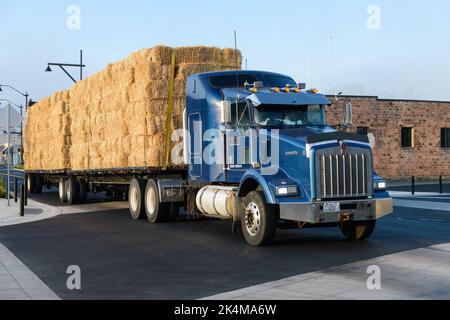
x,y
343,147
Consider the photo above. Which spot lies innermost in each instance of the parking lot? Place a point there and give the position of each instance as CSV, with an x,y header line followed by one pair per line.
x,y
124,259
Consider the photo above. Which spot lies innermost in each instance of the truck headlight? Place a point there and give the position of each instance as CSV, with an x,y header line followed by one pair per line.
x,y
379,185
287,191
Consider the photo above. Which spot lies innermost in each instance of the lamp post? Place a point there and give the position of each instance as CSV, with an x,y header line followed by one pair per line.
x,y
62,65
9,157
26,95
21,127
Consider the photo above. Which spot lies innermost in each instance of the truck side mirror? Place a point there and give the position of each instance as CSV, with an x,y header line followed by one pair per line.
x,y
348,121
225,112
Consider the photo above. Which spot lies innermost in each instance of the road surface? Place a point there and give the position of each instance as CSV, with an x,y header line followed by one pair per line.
x,y
125,259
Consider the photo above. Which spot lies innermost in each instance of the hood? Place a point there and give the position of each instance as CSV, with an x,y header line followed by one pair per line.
x,y
299,136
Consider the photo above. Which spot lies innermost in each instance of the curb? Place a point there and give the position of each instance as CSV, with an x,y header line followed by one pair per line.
x,y
48,212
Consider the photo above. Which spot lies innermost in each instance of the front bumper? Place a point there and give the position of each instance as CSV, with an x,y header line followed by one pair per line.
x,y
354,210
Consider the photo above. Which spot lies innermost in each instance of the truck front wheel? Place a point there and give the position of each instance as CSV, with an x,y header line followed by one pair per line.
x,y
258,220
136,198
358,231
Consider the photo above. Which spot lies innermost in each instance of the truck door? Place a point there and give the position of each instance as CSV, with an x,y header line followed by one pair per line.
x,y
195,129
238,146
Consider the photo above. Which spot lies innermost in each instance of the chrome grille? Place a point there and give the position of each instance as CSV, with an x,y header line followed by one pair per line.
x,y
346,175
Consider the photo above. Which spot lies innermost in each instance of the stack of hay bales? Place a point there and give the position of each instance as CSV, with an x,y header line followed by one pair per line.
x,y
47,134
118,116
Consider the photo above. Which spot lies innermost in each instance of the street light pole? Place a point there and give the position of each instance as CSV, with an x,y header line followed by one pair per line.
x,y
62,65
81,65
21,127
26,95
9,156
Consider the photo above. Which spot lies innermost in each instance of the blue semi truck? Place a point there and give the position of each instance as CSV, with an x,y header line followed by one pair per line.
x,y
257,151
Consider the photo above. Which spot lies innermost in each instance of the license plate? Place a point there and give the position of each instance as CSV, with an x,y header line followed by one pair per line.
x,y
331,207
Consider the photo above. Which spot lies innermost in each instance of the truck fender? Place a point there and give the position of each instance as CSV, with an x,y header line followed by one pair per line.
x,y
251,181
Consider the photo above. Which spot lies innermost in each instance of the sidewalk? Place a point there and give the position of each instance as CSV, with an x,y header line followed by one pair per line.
x,y
35,211
421,274
17,282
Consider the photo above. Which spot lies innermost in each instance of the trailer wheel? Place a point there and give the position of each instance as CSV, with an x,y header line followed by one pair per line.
x,y
31,183
156,211
62,190
82,187
136,199
174,211
72,191
258,220
39,184
358,231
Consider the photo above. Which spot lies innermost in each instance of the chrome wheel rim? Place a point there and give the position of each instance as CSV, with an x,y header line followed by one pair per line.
x,y
68,193
252,219
61,189
134,199
151,201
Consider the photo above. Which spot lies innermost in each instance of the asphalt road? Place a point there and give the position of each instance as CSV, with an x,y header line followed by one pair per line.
x,y
125,259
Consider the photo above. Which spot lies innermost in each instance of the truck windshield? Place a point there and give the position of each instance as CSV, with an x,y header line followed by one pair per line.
x,y
279,81
281,116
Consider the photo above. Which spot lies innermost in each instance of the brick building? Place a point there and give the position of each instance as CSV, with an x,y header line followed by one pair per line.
x,y
412,138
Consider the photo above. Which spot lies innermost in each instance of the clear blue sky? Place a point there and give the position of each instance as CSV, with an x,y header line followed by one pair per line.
x,y
409,57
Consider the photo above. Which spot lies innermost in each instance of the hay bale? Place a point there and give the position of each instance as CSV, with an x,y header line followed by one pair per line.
x,y
47,134
117,117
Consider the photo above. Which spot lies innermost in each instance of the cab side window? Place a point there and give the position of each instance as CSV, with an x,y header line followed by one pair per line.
x,y
240,116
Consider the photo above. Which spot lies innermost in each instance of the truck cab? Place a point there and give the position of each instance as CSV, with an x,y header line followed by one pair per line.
x,y
259,151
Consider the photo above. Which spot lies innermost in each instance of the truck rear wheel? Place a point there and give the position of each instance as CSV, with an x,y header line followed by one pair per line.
x,y
82,187
62,190
31,183
72,191
258,220
39,184
156,211
136,199
358,231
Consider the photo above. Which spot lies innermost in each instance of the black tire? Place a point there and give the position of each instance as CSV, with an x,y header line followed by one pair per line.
x,y
174,212
136,199
258,220
83,190
62,190
72,191
358,231
156,211
39,184
31,183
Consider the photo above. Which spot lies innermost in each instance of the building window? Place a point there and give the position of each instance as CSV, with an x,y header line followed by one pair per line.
x,y
445,138
407,137
362,131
